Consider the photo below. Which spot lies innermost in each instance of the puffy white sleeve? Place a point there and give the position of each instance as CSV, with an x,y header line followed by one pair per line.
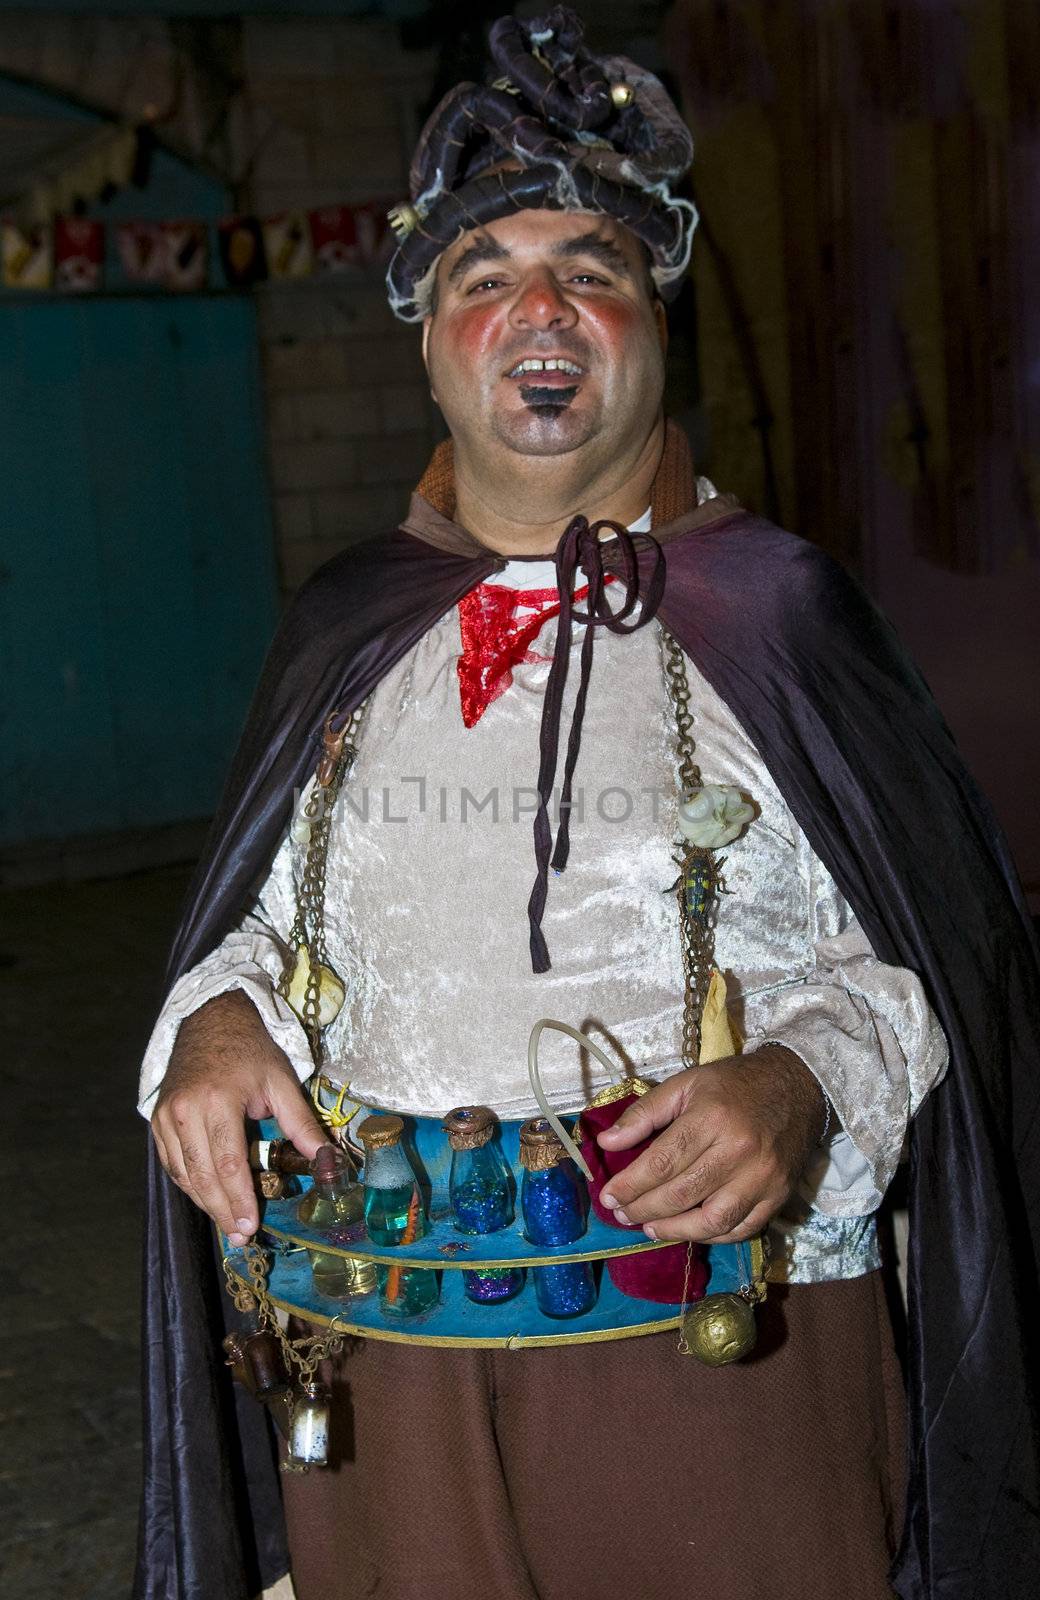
x,y
252,958
867,1033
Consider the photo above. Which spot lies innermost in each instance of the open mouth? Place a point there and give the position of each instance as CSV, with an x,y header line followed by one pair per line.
x,y
547,384
552,368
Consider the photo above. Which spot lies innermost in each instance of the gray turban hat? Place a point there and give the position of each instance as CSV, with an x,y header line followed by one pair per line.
x,y
583,133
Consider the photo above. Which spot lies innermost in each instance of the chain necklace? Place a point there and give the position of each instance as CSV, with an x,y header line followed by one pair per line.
x,y
307,935
302,1357
700,882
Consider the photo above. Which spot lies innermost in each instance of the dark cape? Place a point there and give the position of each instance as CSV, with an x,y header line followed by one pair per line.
x,y
860,753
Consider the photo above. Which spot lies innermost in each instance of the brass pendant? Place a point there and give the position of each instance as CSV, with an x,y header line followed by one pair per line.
x,y
719,1329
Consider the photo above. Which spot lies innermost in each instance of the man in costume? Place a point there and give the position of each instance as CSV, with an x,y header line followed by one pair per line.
x,y
870,933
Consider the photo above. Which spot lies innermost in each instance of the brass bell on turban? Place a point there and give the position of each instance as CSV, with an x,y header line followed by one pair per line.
x,y
719,1329
622,95
403,219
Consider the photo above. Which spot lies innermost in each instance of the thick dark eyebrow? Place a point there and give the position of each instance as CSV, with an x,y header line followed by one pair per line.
x,y
602,250
485,249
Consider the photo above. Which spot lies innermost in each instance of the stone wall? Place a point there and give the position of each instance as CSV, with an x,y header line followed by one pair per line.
x,y
350,418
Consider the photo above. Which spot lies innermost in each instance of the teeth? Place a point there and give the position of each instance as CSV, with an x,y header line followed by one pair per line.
x,y
554,364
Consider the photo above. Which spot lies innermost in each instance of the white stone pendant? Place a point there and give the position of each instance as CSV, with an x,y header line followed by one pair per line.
x,y
331,993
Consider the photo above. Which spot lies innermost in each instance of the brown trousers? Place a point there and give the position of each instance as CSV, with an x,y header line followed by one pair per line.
x,y
623,1469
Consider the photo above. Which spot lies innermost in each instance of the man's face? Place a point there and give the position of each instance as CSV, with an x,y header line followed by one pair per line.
x,y
546,335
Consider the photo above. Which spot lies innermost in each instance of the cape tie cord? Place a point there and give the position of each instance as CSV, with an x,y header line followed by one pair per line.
x,y
579,546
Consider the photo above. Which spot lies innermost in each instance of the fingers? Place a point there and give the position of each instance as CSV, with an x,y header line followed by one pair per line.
x,y
654,1110
674,1154
203,1137
689,1187
295,1117
726,1217
171,1160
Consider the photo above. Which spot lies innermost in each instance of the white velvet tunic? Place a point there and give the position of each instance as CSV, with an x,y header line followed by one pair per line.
x,y
431,866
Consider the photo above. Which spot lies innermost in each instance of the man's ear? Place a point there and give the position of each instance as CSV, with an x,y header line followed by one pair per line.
x,y
661,318
425,354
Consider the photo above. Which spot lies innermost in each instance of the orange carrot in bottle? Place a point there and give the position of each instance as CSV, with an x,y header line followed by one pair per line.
x,y
409,1236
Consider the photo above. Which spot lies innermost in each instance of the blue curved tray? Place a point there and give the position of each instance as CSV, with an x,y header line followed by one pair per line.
x,y
456,1320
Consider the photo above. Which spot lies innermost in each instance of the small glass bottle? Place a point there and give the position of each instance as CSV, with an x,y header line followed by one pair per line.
x,y
394,1215
481,1191
407,1291
309,1430
390,1183
278,1155
554,1203
333,1206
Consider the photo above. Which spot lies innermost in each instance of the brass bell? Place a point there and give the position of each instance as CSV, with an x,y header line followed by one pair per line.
x,y
719,1329
622,95
403,219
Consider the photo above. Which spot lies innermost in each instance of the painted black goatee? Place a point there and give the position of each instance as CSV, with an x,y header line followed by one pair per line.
x,y
544,399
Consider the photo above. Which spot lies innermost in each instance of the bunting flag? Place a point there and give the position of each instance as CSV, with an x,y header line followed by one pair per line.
x,y
287,245
79,254
187,255
335,240
142,250
69,253
242,251
28,258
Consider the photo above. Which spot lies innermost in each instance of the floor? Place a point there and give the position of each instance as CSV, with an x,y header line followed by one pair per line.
x,y
80,972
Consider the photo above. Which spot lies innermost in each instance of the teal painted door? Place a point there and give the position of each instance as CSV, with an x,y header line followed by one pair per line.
x,y
137,579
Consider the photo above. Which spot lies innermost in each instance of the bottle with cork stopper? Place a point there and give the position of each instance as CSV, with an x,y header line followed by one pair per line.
x,y
394,1215
481,1191
333,1206
390,1182
554,1204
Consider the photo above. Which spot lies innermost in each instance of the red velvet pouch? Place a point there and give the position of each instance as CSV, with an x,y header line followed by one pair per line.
x,y
656,1275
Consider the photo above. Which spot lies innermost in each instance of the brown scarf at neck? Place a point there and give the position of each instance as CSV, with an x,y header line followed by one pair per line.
x,y
674,491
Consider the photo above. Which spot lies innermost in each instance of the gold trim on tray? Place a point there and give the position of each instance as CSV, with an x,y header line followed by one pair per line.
x,y
393,1255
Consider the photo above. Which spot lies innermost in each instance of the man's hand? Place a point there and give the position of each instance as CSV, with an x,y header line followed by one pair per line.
x,y
225,1067
737,1136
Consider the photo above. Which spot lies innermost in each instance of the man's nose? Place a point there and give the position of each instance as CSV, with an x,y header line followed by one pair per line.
x,y
541,303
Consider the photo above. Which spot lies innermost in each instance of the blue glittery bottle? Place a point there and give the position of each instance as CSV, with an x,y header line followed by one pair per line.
x,y
554,1203
481,1191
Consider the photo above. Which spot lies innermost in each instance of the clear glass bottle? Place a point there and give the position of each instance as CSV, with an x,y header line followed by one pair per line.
x,y
392,1202
407,1291
394,1215
334,1206
481,1190
309,1430
554,1205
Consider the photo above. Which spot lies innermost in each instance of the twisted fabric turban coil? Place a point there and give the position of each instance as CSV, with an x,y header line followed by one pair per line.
x,y
559,129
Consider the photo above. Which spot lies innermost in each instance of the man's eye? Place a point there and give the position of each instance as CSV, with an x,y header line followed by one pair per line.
x,y
587,277
485,283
